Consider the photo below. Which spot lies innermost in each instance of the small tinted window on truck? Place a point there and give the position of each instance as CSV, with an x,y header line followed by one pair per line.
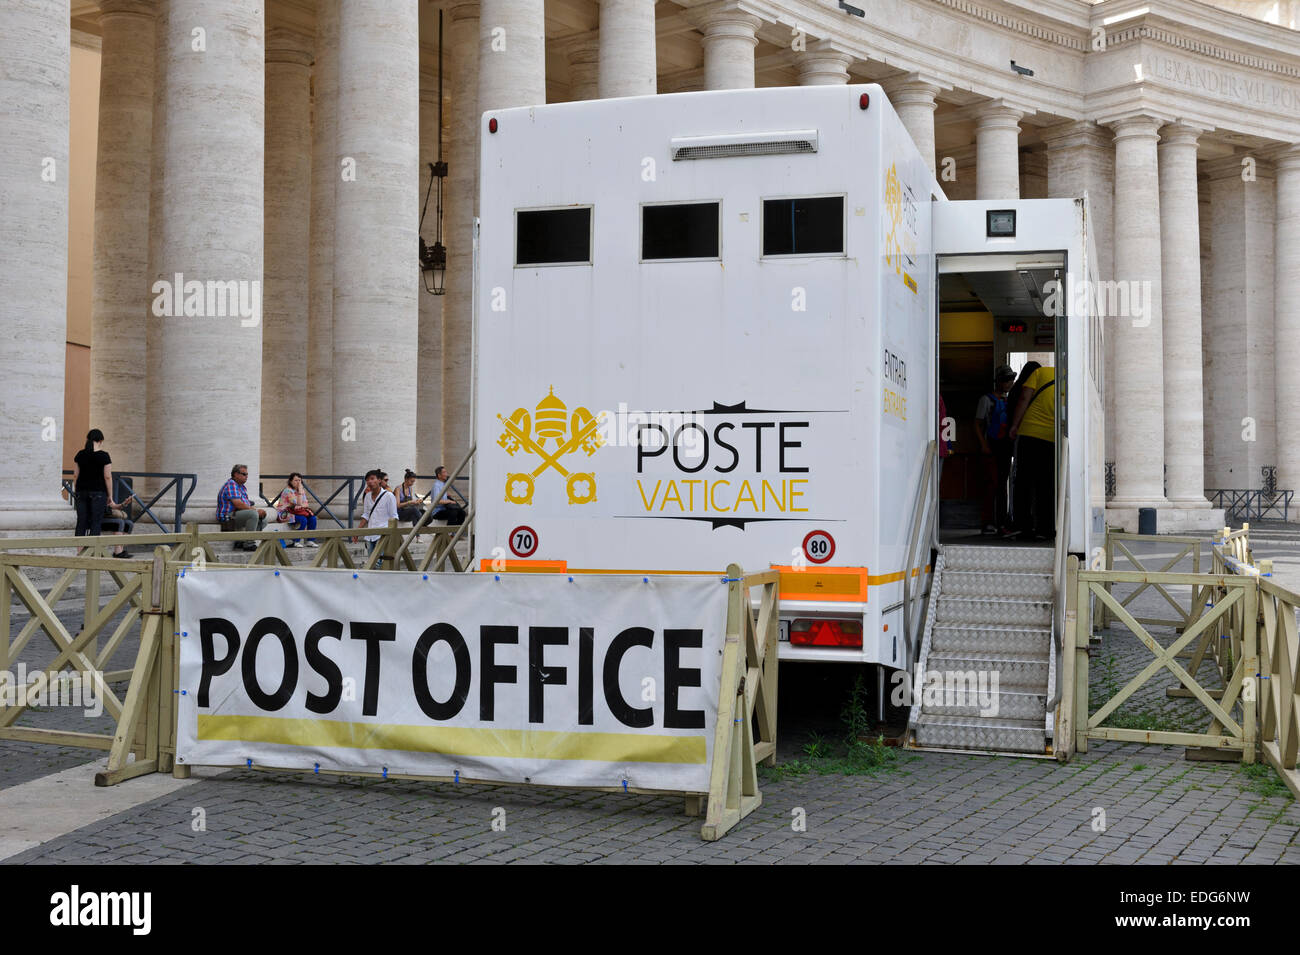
x,y
680,230
809,225
553,236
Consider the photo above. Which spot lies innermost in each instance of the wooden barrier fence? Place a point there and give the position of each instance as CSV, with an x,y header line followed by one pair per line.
x,y
143,604
1118,548
1239,619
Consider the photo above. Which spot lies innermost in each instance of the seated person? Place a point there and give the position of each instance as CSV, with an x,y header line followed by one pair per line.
x,y
235,511
293,508
409,503
444,508
118,522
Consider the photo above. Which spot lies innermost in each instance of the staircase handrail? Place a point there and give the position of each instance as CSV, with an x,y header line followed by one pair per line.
x,y
1061,553
922,513
430,505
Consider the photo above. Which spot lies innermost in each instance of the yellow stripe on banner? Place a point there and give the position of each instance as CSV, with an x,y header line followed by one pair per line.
x,y
455,740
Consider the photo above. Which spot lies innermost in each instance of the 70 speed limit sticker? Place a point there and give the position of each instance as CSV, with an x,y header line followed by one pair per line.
x,y
523,541
819,547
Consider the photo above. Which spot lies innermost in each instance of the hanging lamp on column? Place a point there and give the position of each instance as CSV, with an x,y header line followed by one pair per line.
x,y
433,258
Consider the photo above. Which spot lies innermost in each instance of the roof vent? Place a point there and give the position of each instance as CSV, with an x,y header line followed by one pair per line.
x,y
780,143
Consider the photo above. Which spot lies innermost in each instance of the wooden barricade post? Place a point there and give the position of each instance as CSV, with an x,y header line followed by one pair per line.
x,y
746,701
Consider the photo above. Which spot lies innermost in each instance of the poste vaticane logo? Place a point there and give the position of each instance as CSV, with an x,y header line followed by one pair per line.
x,y
550,421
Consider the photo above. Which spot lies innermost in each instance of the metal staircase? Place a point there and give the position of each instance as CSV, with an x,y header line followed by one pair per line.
x,y
988,644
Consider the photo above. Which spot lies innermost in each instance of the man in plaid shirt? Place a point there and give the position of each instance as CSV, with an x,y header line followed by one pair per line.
x,y
235,511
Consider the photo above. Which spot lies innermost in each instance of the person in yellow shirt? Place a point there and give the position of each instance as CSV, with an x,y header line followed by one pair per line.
x,y
1033,426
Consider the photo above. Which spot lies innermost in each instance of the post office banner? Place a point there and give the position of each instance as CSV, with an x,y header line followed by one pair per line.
x,y
583,680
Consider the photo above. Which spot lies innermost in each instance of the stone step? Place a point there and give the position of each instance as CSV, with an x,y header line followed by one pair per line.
x,y
981,639
998,583
993,611
998,735
993,558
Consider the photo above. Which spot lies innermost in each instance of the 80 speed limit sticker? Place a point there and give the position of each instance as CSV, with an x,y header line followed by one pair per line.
x,y
819,547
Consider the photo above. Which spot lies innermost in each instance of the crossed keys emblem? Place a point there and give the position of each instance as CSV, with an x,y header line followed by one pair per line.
x,y
550,421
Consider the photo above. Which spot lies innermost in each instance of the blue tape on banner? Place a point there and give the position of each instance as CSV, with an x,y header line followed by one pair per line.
x,y
277,573
570,580
731,580
426,576
645,580
317,769
354,576
497,577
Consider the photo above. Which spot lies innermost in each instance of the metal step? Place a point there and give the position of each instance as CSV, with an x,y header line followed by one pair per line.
x,y
993,611
997,583
1016,704
991,639
1013,670
998,559
998,735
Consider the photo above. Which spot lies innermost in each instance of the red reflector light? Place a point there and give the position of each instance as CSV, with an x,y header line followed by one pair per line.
x,y
492,124
810,632
864,101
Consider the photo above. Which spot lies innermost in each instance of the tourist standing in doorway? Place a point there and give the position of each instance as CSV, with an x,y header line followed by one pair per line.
x,y
992,424
1033,425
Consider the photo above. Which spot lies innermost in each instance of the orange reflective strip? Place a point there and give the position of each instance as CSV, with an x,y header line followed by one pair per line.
x,y
524,566
895,576
824,583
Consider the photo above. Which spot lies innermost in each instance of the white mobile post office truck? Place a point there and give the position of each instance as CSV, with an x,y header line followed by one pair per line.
x,y
707,332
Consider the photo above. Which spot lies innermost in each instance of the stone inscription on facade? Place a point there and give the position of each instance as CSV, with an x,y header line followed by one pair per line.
x,y
1230,85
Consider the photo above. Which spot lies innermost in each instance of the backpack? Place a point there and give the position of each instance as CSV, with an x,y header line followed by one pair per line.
x,y
995,427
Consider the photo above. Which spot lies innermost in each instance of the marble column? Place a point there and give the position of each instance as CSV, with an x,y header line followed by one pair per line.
x,y
35,48
206,267
428,403
1180,295
1139,347
730,35
627,48
1240,378
997,147
1286,318
121,283
1081,160
376,269
914,100
822,65
512,54
285,285
462,206
1206,216
320,421
583,54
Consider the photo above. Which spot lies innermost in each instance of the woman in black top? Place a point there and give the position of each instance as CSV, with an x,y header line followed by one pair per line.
x,y
92,484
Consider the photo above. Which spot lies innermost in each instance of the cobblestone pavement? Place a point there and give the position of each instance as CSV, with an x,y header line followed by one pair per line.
x,y
1119,803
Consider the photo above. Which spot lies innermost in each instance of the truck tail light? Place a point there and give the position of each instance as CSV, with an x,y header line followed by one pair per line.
x,y
815,632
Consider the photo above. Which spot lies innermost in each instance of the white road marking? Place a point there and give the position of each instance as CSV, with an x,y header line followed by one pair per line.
x,y
35,812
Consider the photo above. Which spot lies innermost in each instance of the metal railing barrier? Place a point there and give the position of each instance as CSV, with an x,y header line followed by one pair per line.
x,y
180,486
